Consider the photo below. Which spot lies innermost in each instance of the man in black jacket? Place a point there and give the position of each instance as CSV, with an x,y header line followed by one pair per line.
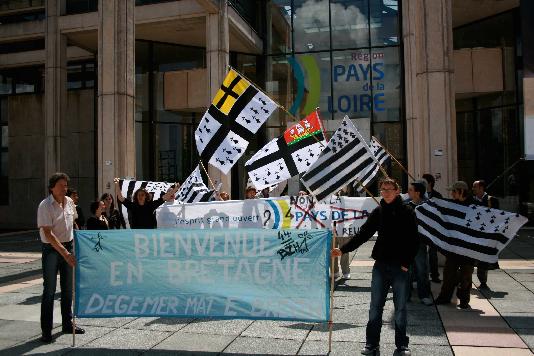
x,y
394,252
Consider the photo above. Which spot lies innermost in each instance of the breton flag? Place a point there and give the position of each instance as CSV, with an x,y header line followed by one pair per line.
x,y
128,187
370,173
288,155
345,158
194,190
235,115
473,231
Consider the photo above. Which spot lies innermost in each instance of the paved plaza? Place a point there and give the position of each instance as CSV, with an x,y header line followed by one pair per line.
x,y
501,321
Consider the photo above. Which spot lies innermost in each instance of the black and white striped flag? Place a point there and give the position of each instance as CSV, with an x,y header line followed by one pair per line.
x,y
474,231
194,190
381,156
128,188
345,158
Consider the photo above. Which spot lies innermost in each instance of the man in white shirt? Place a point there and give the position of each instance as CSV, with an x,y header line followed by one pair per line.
x,y
55,219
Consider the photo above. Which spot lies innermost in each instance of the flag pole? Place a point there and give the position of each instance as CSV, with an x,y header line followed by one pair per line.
x,y
389,153
204,168
332,283
367,191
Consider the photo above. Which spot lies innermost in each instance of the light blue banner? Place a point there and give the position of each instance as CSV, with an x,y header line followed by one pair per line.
x,y
223,273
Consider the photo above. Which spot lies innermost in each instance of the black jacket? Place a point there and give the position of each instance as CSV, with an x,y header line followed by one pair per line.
x,y
397,233
142,216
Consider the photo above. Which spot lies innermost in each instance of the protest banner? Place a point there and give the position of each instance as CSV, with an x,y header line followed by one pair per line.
x,y
223,273
297,212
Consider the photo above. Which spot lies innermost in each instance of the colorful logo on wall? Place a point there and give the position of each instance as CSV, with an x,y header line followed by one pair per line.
x,y
363,74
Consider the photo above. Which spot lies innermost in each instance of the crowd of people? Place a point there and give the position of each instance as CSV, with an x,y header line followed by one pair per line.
x,y
401,254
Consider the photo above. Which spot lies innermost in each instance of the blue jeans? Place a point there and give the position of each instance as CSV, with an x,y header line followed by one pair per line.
x,y
421,272
52,263
384,276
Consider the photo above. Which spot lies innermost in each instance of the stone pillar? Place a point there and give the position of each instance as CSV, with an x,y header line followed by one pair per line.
x,y
55,87
430,98
116,92
527,16
217,60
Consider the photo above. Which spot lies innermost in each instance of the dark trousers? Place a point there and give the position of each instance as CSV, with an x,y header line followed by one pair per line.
x,y
387,275
419,270
482,275
456,273
52,263
433,261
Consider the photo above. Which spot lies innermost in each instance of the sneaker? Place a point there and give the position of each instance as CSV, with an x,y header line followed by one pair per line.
x,y
464,306
371,350
346,275
427,301
403,351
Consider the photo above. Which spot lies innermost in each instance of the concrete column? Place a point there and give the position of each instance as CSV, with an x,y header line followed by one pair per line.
x,y
217,60
527,16
430,99
116,91
55,87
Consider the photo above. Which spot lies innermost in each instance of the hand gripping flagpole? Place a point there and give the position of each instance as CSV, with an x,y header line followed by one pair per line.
x,y
332,283
396,161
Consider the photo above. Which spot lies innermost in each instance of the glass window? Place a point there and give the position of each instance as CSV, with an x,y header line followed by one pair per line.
x,y
384,27
74,76
316,90
279,18
171,57
386,84
4,138
350,25
282,85
80,6
6,84
351,75
311,25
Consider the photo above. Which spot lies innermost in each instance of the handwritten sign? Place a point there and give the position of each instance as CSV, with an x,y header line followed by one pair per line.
x,y
225,273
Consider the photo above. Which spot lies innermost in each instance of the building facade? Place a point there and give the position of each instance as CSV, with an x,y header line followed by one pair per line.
x,y
115,88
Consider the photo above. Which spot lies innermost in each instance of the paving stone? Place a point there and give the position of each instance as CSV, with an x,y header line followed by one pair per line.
x,y
278,330
340,332
19,330
107,322
527,335
261,346
181,342
83,351
428,335
311,347
217,327
91,333
161,324
519,320
36,347
129,339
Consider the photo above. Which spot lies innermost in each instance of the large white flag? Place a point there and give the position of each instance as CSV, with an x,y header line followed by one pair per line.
x,y
235,115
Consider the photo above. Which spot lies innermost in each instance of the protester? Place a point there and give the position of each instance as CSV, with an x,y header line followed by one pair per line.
x,y
265,193
224,196
80,220
113,216
483,198
394,251
303,193
55,220
98,220
432,249
458,269
416,191
141,208
250,192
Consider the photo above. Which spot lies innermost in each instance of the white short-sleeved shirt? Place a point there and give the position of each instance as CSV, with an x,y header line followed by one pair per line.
x,y
61,219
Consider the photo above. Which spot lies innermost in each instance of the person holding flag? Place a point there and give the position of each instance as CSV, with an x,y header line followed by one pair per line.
x,y
394,252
